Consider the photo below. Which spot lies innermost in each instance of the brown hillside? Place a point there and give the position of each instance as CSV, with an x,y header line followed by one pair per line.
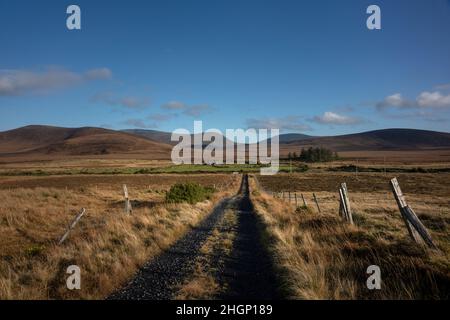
x,y
36,141
379,140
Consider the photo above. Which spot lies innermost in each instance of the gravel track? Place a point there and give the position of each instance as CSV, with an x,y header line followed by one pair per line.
x,y
157,279
247,272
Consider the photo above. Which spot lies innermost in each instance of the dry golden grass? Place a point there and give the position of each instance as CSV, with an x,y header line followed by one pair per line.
x,y
107,245
432,184
321,257
205,284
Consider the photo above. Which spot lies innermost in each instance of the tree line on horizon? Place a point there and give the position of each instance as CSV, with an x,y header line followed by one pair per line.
x,y
314,154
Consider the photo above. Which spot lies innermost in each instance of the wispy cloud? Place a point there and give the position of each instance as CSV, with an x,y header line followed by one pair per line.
x,y
130,102
23,82
139,123
98,74
174,105
291,123
188,110
445,86
332,118
160,117
198,110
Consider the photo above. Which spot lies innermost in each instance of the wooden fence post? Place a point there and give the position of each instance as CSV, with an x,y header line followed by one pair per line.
x,y
415,227
128,208
304,201
71,226
342,209
317,202
345,203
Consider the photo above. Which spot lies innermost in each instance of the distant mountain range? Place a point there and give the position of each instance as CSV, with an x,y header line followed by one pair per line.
x,y
47,142
378,140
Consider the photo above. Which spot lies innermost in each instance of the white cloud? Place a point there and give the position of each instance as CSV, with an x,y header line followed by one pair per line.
x,y
433,100
21,82
395,100
425,99
336,119
291,123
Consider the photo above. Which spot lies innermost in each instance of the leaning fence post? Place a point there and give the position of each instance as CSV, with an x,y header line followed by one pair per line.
x,y
128,208
317,202
72,225
304,201
342,208
346,202
415,227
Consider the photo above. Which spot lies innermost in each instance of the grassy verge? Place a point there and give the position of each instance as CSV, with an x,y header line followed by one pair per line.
x,y
107,245
321,257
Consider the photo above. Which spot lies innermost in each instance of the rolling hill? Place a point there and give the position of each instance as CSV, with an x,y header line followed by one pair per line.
x,y
48,142
155,135
378,140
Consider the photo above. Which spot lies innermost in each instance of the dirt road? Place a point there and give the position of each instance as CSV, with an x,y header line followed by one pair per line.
x,y
243,272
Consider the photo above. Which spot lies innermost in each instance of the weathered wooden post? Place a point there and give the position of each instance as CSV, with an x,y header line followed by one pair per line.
x,y
71,226
317,202
304,201
128,208
415,227
346,203
342,205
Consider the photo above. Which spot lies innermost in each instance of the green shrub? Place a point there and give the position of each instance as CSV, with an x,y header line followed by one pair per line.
x,y
188,192
34,250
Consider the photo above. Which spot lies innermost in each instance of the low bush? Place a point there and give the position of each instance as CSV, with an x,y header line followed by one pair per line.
x,y
188,192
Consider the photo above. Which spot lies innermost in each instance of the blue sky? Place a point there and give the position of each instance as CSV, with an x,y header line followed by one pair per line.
x,y
302,66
